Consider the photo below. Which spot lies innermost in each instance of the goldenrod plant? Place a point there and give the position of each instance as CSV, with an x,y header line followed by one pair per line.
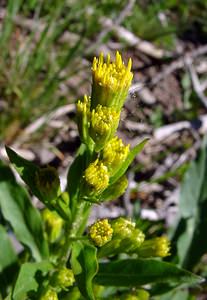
x,y
62,257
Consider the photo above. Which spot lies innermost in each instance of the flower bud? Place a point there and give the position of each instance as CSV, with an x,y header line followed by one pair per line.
x,y
126,238
63,278
114,154
111,81
103,124
156,247
48,184
115,190
83,117
49,294
122,228
53,224
100,232
96,178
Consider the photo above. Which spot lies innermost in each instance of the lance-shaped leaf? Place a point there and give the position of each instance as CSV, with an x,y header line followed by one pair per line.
x,y
138,272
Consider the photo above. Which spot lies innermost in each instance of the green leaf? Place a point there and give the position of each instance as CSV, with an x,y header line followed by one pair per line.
x,y
132,154
26,169
7,253
136,272
26,280
85,266
23,217
190,233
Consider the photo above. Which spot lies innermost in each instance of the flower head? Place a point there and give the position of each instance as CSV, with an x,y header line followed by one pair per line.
x,y
103,124
156,247
111,81
63,278
114,154
100,232
96,178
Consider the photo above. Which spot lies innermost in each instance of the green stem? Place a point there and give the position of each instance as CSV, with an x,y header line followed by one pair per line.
x,y
75,230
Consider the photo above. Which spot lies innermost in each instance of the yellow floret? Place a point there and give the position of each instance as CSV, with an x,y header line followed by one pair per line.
x,y
101,232
114,153
156,247
96,177
103,124
111,81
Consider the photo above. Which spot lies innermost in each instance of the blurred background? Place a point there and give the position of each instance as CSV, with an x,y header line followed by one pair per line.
x,y
45,61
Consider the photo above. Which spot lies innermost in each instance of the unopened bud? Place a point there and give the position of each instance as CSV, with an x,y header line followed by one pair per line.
x,y
83,117
115,190
100,232
156,247
63,278
53,224
48,184
49,295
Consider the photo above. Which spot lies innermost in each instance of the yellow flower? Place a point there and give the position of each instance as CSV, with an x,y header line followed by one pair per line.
x,y
100,232
103,124
114,154
156,247
111,81
96,177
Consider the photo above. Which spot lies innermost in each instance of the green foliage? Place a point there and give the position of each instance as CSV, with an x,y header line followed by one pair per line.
x,y
131,272
190,231
23,217
7,254
26,280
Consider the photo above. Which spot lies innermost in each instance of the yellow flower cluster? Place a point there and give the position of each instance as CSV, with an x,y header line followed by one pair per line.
x,y
104,122
111,81
97,177
100,232
114,153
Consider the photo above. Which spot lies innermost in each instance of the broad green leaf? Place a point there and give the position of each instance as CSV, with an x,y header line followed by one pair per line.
x,y
137,272
26,280
190,233
85,266
7,253
23,217
132,154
